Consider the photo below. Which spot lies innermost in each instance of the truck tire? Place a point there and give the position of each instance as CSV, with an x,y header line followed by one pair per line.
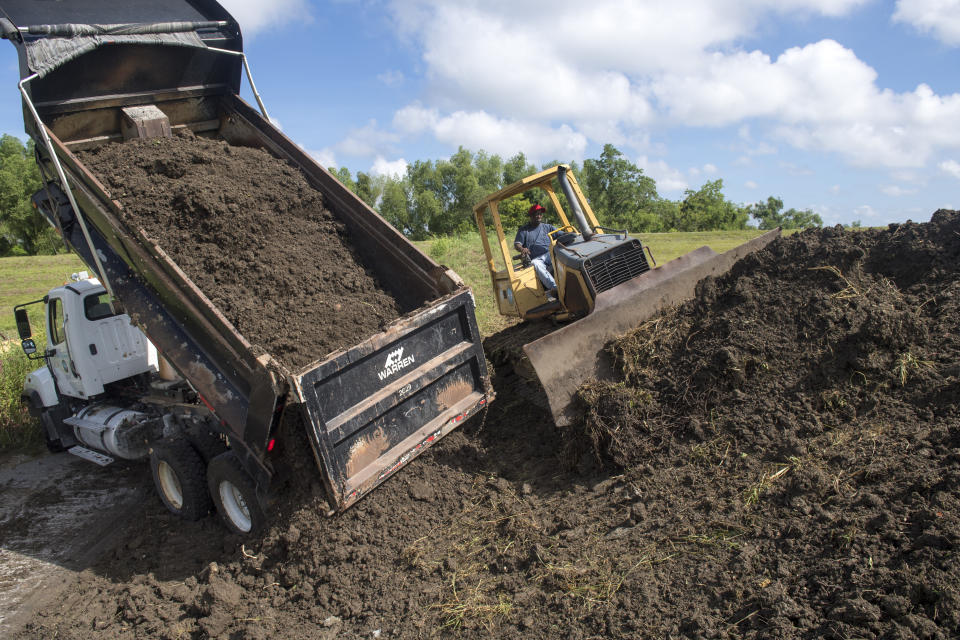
x,y
179,475
235,495
207,443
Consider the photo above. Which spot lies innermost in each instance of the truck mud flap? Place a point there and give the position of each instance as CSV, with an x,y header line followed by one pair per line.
x,y
571,355
375,407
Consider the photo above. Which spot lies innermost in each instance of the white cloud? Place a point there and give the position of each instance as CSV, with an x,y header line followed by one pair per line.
x,y
668,179
796,170
671,63
951,168
865,211
939,17
835,189
478,130
750,184
255,16
392,168
707,169
750,146
325,157
484,53
368,140
895,191
392,78
823,97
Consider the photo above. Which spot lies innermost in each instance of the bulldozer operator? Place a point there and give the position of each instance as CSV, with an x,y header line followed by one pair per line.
x,y
533,243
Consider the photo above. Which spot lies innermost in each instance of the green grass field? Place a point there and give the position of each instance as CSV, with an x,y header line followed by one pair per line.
x,y
30,278
23,280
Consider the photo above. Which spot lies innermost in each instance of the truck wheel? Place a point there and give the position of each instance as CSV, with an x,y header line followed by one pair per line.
x,y
180,478
235,495
207,443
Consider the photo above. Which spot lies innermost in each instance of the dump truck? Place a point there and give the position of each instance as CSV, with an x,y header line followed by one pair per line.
x,y
139,362
605,286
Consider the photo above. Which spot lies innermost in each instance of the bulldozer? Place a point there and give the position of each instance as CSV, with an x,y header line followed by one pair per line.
x,y
607,282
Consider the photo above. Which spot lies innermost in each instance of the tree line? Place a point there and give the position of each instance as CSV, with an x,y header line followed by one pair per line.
x,y
23,231
436,198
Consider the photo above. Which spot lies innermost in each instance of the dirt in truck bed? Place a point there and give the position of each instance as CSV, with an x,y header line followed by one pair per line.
x,y
779,458
254,236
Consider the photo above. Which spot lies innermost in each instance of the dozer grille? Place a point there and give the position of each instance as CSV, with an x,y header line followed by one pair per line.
x,y
616,266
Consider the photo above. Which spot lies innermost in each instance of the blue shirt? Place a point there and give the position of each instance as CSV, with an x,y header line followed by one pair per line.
x,y
535,237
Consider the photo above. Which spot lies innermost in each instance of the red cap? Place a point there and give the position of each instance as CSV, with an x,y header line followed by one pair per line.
x,y
535,209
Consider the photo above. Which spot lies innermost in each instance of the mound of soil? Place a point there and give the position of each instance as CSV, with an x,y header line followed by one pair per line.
x,y
254,236
810,398
779,460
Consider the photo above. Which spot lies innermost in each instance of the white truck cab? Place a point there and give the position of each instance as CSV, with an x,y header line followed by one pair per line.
x,y
88,345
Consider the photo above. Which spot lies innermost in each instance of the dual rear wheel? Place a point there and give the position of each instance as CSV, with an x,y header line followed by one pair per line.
x,y
192,482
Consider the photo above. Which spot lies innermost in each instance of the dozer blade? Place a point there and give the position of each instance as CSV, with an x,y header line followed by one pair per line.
x,y
571,355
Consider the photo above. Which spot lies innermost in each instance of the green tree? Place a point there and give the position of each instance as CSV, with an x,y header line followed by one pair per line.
x,y
708,210
490,172
517,168
769,215
23,231
394,205
618,190
370,188
343,175
460,190
425,207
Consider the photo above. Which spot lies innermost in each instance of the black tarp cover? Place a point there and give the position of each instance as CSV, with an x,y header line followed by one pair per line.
x,y
46,54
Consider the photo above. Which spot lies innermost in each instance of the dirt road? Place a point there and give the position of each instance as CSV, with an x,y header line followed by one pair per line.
x,y
57,514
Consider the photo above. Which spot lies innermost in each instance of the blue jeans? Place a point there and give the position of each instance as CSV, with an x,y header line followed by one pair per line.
x,y
543,267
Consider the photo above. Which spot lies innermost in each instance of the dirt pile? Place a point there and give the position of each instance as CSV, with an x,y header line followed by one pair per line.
x,y
785,461
254,237
811,398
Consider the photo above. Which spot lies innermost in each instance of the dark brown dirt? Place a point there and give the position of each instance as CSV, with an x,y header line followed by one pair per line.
x,y
808,405
254,237
779,460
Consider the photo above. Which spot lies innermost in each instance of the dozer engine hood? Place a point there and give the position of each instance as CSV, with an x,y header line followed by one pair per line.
x,y
606,260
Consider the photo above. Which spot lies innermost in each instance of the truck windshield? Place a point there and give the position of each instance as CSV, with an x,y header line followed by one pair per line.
x,y
97,306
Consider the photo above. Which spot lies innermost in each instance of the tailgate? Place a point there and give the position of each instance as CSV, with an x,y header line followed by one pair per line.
x,y
375,407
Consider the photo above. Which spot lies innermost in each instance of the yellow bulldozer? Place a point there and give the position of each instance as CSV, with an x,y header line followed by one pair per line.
x,y
604,284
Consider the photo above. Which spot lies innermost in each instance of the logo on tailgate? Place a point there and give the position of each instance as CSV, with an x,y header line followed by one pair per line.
x,y
395,362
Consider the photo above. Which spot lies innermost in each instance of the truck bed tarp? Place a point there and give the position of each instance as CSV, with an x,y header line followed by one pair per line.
x,y
46,54
70,30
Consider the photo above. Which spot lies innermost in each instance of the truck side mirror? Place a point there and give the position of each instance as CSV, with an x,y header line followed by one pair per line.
x,y
29,346
23,324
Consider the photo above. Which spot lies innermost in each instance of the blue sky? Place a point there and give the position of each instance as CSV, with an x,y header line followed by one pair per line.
x,y
847,107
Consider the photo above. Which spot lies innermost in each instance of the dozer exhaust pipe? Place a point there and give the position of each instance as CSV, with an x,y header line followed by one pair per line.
x,y
581,219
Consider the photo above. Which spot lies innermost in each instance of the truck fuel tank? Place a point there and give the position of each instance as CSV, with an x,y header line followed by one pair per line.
x,y
123,433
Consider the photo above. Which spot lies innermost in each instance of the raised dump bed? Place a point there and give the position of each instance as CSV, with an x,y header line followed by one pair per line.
x,y
372,398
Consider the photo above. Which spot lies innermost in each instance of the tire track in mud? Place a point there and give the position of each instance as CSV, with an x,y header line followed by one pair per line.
x,y
56,516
